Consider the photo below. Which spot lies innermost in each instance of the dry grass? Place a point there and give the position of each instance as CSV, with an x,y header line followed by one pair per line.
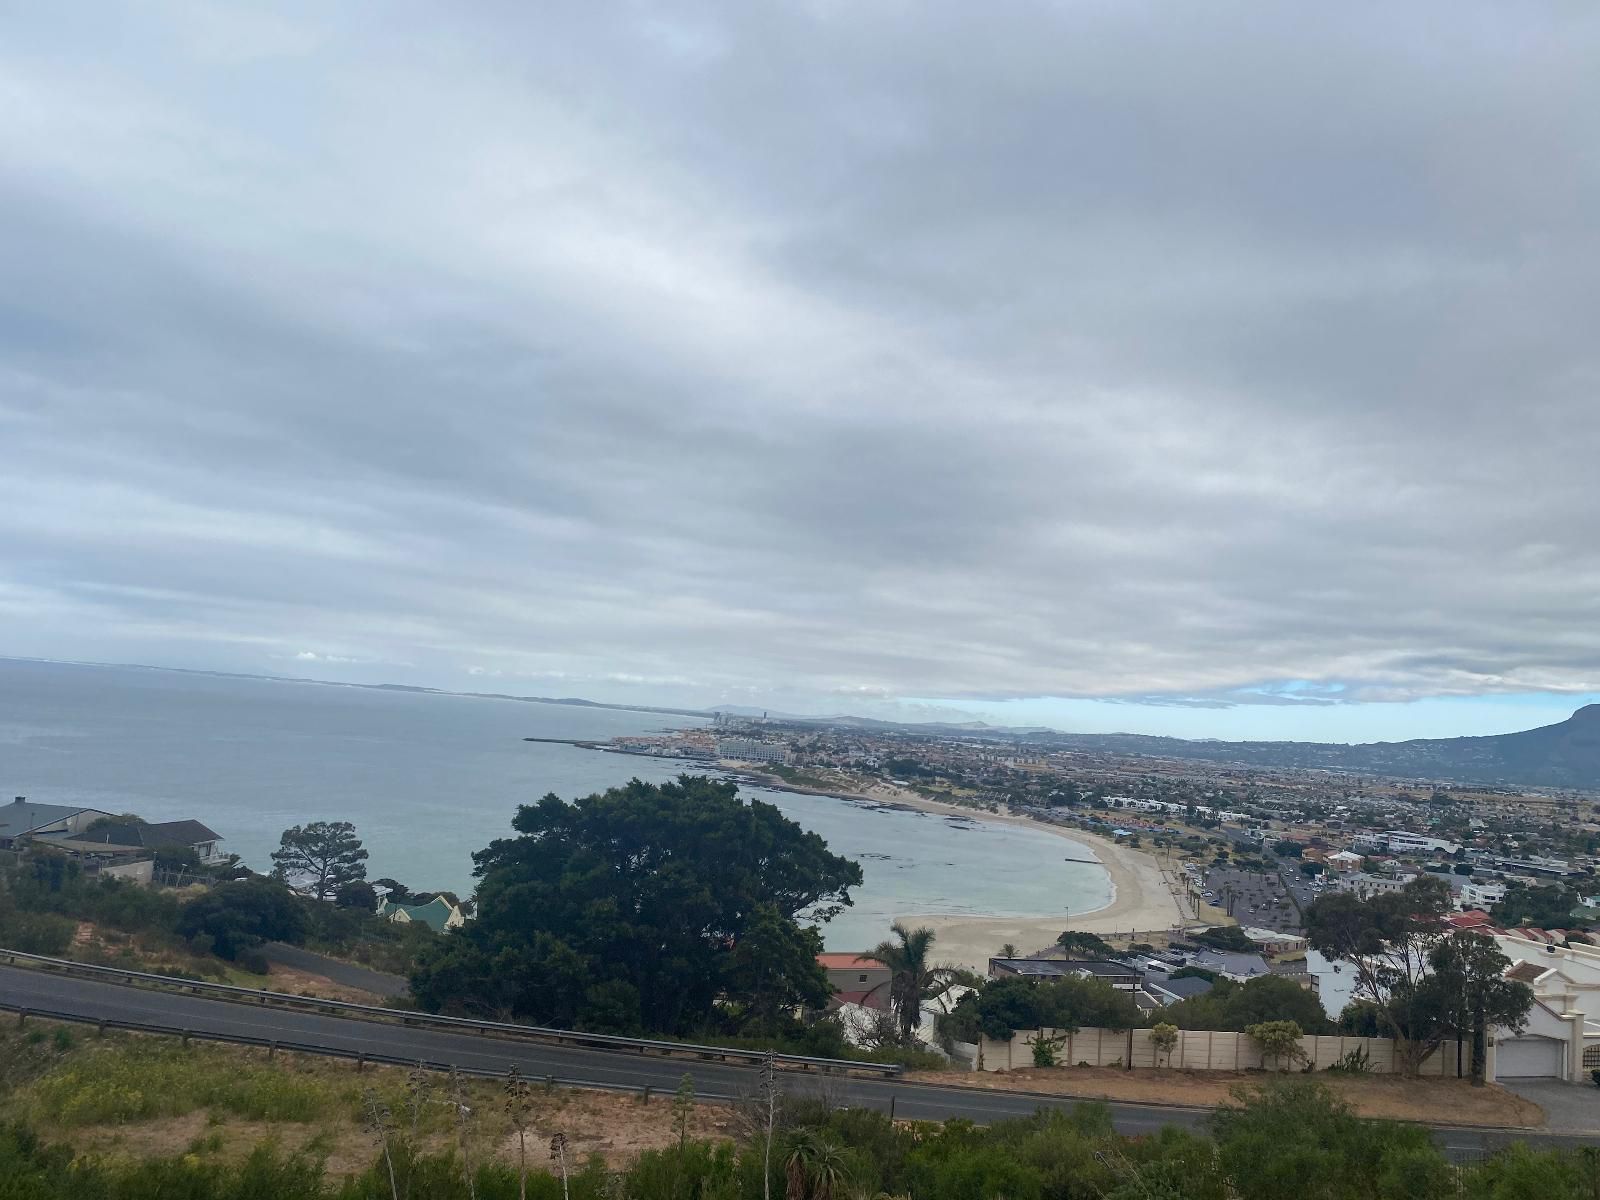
x,y
1433,1101
615,1127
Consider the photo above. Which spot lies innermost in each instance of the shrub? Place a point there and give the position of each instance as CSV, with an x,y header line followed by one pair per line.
x,y
136,1080
1353,1062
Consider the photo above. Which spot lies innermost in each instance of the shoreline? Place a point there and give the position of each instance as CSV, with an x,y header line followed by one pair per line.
x,y
1141,898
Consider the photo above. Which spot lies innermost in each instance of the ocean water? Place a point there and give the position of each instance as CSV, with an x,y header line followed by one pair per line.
x,y
429,778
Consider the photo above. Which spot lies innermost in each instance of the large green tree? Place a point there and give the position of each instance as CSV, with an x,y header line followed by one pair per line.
x,y
1547,906
325,854
1387,939
1466,993
646,907
1234,1006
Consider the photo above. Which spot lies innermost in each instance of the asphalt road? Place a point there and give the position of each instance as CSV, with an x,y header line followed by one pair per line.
x,y
95,1000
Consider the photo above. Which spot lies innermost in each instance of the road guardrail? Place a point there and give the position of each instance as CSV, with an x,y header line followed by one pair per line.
x,y
368,1012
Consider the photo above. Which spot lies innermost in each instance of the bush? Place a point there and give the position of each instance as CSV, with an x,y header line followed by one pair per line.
x,y
134,1080
253,961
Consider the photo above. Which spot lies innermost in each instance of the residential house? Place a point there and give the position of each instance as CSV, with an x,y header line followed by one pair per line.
x,y
1562,1037
1239,967
1167,990
114,839
1276,944
1119,975
437,914
1367,886
24,818
1484,894
857,979
1344,861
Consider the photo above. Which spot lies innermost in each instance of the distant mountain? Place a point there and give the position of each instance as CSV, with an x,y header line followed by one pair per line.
x,y
1562,755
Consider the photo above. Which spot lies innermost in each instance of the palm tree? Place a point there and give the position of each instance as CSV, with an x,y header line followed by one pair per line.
x,y
912,978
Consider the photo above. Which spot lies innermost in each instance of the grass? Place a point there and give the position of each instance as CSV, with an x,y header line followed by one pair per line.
x,y
135,1097
121,1080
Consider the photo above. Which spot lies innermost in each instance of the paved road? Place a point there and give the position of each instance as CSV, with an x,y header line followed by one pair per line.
x,y
95,1000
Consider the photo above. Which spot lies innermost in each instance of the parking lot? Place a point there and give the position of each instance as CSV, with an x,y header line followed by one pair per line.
x,y
1256,898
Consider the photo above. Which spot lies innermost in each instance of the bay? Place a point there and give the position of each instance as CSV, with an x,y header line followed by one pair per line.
x,y
428,778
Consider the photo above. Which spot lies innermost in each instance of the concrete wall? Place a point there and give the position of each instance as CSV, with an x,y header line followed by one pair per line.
x,y
1202,1050
134,872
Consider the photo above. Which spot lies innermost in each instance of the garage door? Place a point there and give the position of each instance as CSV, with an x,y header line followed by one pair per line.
x,y
1527,1057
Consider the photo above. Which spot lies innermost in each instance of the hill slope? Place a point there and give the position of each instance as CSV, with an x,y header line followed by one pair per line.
x,y
1566,754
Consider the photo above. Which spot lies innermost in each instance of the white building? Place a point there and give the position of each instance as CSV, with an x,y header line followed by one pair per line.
x,y
1481,894
1401,842
1562,1038
1366,886
748,750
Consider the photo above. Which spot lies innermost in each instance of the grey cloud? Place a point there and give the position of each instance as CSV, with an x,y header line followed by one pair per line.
x,y
809,353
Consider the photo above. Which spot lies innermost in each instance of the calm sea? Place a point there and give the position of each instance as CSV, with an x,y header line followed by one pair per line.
x,y
427,779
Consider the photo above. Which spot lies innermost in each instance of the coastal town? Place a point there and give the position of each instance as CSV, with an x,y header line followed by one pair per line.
x,y
1214,865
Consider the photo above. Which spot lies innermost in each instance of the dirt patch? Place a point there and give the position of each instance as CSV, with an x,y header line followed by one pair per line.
x,y
617,1127
304,983
1434,1101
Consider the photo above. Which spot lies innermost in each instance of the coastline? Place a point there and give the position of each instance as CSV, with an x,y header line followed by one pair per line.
x,y
1141,898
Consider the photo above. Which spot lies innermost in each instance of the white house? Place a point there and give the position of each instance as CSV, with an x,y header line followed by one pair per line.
x,y
1482,895
1562,1038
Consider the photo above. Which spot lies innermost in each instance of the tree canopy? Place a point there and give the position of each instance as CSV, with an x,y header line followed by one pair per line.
x,y
1236,1007
642,908
1547,906
1387,939
239,916
1014,1003
327,854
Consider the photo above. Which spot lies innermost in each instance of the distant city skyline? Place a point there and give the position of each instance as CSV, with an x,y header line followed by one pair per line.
x,y
1216,370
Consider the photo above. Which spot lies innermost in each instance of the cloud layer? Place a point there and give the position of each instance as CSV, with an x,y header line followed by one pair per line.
x,y
815,354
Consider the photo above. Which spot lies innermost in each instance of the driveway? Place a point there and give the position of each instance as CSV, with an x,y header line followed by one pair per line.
x,y
1568,1107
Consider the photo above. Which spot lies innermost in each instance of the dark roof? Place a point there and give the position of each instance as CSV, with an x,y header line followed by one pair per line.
x,y
134,834
22,815
1095,966
1189,985
1043,968
179,833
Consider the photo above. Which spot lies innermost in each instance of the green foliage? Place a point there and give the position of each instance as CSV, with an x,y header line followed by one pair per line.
x,y
1288,1139
1547,906
912,976
1011,1003
1086,945
1227,937
327,853
1279,1041
1164,1037
1353,1062
136,1080
626,911
1046,1049
238,917
1235,1007
33,932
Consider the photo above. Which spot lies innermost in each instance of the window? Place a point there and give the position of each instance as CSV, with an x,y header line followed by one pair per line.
x,y
862,979
1591,1056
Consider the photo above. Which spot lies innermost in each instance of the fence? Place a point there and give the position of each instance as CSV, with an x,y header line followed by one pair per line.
x,y
1203,1050
367,1012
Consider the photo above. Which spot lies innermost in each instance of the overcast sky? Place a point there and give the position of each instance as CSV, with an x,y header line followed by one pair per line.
x,y
1238,363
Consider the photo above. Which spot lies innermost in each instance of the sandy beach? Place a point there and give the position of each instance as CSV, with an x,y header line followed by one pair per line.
x,y
1141,900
